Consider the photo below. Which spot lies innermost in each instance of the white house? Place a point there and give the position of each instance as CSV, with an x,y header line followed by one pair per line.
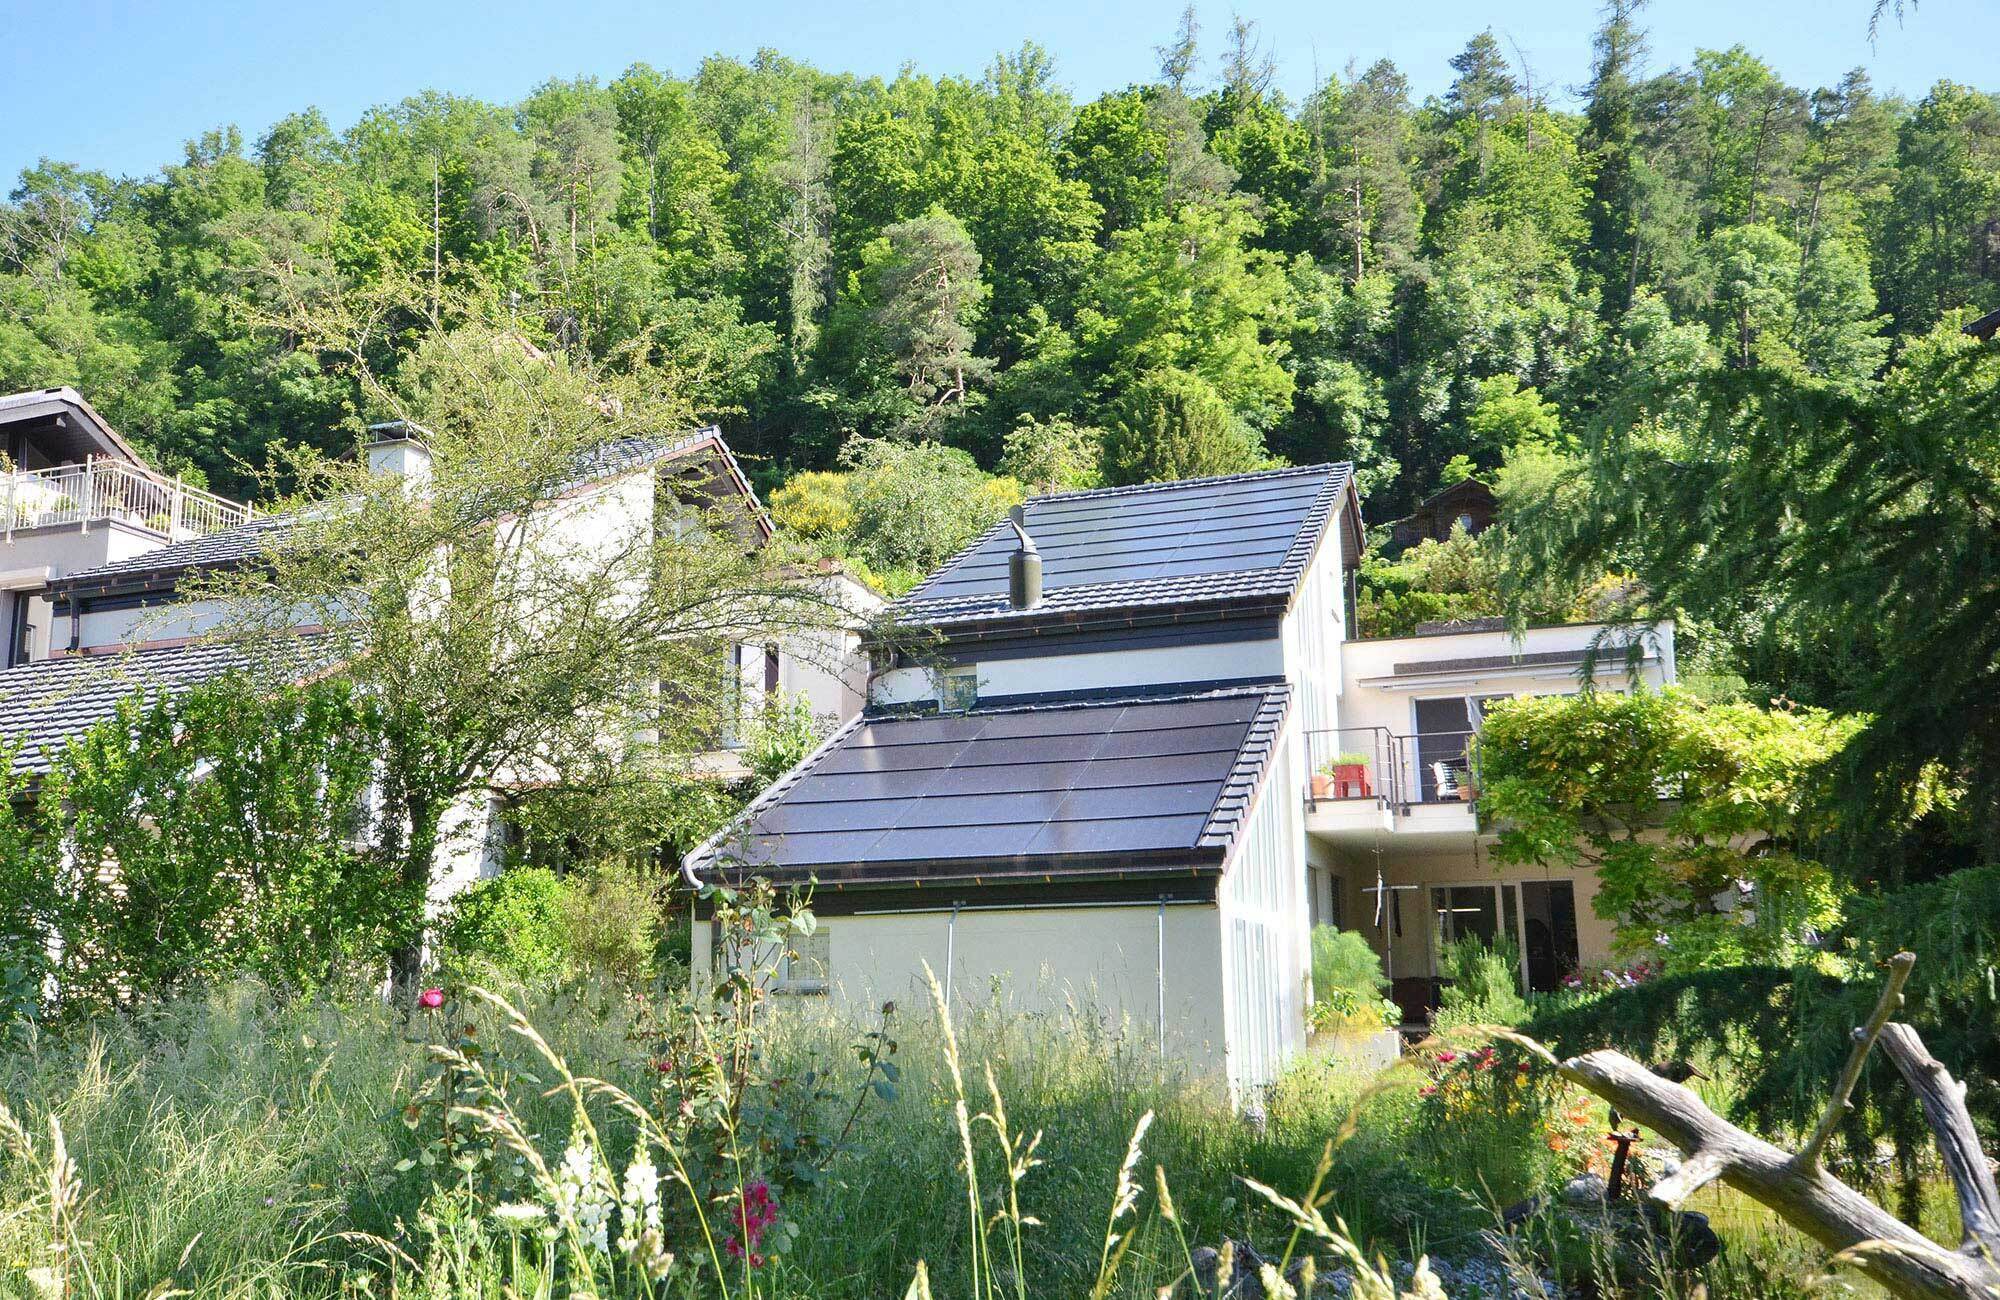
x,y
99,550
1105,792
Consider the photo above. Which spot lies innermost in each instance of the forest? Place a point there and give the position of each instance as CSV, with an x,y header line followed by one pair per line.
x,y
1186,276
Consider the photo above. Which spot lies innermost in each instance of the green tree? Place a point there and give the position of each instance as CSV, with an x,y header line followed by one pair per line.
x,y
1189,293
1173,425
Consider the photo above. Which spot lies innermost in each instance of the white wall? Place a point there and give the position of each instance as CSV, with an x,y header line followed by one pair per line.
x,y
1103,960
1267,928
1312,633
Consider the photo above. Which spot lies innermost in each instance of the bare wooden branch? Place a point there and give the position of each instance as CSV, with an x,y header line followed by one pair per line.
x,y
1696,1172
1957,1140
1840,1103
1804,1193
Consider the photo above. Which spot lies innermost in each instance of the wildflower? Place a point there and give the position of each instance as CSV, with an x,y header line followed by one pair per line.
x,y
583,1192
1446,1058
1428,1090
1661,938
1523,1067
431,999
514,1215
638,1202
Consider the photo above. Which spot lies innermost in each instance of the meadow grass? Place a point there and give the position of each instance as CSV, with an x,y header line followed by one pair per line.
x,y
226,1145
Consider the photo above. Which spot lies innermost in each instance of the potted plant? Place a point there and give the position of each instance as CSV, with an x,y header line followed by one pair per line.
x,y
1349,771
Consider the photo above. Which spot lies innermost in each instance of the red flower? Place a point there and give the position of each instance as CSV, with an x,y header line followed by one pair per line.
x,y
1447,1057
756,1260
431,999
1427,1091
1523,1067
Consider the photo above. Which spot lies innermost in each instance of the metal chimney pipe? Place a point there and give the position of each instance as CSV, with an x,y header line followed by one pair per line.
x,y
1024,566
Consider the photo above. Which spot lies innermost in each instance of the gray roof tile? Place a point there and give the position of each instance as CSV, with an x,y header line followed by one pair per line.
x,y
1238,536
1037,789
46,703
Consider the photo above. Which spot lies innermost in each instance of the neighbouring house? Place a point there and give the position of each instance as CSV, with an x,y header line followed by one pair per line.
x,y
1468,504
1144,755
100,550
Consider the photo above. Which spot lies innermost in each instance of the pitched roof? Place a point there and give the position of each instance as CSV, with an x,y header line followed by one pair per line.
x,y
245,541
45,703
1234,537
1132,784
94,433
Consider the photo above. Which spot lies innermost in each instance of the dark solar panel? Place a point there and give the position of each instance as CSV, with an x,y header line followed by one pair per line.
x,y
1205,528
1104,777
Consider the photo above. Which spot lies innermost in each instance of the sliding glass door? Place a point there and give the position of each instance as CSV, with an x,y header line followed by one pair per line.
x,y
1537,916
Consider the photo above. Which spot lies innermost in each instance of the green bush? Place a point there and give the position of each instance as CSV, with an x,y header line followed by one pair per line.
x,y
1484,986
1348,983
611,923
516,922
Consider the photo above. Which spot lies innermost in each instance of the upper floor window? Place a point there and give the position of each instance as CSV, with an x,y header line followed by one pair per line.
x,y
958,690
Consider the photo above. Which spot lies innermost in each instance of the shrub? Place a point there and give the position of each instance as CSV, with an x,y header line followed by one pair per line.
x,y
611,923
1348,983
516,922
1484,986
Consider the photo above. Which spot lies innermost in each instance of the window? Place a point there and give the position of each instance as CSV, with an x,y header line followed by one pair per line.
x,y
958,689
805,970
1445,728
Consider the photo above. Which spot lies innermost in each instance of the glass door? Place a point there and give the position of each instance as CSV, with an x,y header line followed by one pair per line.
x,y
1538,917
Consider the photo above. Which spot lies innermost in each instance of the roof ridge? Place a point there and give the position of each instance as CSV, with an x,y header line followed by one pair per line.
x,y
1207,480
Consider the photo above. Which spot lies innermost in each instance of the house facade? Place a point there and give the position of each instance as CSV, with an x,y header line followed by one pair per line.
x,y
100,553
1138,788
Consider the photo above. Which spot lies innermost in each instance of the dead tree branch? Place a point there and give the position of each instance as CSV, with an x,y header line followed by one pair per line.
x,y
1797,1185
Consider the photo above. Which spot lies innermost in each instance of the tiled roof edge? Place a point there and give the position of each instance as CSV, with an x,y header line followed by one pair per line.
x,y
706,852
1246,778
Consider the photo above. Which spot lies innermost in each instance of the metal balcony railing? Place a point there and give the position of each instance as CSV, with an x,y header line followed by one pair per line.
x,y
1397,770
100,490
1353,763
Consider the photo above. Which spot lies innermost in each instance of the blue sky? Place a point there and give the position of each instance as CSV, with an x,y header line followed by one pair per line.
x,y
119,85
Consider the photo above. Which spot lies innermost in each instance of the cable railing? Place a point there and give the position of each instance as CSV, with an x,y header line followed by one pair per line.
x,y
99,490
1372,763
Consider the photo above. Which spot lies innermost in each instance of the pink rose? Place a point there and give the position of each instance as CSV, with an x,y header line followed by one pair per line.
x,y
431,999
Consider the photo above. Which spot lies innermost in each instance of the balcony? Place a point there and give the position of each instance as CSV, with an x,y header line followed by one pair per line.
x,y
104,491
1365,780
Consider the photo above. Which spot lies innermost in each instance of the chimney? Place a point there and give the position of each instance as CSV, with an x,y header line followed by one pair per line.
x,y
1024,566
397,447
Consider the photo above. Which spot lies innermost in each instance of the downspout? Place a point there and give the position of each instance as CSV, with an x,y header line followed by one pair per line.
x,y
950,950
1160,969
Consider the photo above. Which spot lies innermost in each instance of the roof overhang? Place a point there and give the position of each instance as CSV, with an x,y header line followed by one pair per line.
x,y
74,424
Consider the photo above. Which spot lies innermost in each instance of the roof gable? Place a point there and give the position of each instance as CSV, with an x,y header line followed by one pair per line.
x,y
1234,537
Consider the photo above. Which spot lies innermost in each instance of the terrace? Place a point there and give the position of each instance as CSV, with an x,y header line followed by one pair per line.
x,y
1367,779
103,490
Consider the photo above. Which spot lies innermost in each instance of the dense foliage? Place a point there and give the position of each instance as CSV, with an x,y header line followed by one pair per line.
x,y
200,836
1195,271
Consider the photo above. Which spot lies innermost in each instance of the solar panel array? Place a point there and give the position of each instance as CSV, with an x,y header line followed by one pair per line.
x,y
1175,540
1121,777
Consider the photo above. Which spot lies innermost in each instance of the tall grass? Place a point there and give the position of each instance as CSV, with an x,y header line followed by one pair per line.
x,y
227,1146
